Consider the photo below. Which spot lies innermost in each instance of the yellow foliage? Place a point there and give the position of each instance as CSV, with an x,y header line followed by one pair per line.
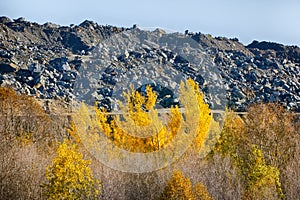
x,y
262,179
69,176
205,116
151,98
137,121
24,138
103,122
211,139
271,128
136,103
73,133
180,187
201,192
140,144
140,129
232,138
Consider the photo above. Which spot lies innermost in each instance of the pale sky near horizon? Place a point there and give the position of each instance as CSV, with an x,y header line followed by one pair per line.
x,y
247,20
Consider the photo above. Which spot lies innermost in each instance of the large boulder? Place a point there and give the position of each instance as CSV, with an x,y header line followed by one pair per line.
x,y
8,67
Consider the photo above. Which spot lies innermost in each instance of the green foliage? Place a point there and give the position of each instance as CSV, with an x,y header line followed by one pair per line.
x,y
262,179
248,141
69,176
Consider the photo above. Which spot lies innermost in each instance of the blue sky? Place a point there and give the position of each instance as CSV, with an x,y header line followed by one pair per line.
x,y
269,20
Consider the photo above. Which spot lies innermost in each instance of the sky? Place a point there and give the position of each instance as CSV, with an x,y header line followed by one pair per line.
x,y
248,20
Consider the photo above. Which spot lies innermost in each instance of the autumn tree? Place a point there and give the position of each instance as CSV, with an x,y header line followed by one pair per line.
x,y
272,129
232,138
180,187
268,126
262,180
21,116
25,137
140,129
69,176
201,193
205,119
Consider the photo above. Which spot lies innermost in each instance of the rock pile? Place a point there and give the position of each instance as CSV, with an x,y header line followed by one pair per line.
x,y
46,61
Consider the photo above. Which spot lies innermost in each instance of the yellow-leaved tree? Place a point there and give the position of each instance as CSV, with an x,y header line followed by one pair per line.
x,y
140,129
69,176
180,187
232,139
201,193
261,177
262,180
205,117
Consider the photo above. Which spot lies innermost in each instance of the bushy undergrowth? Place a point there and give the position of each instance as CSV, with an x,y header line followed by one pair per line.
x,y
256,156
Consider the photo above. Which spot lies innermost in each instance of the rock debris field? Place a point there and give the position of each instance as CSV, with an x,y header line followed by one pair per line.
x,y
93,62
